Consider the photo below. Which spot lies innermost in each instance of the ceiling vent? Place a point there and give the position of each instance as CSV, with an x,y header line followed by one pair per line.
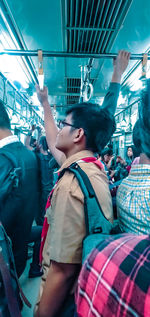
x,y
72,100
92,25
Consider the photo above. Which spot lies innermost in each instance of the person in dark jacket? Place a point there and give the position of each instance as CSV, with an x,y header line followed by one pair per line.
x,y
45,176
18,207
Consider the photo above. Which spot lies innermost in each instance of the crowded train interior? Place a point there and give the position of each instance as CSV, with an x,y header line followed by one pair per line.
x,y
74,158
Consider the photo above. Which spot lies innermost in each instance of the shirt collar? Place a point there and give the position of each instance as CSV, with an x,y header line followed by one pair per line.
x,y
140,169
8,140
75,157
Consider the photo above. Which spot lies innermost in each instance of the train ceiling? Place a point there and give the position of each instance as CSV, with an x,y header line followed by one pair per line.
x,y
76,26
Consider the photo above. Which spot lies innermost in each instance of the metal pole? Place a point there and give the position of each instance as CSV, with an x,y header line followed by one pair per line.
x,y
65,54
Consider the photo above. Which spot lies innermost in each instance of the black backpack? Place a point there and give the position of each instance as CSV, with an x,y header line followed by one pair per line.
x,y
10,300
12,180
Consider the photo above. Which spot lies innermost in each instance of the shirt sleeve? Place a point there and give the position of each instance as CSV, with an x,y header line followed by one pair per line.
x,y
110,100
67,225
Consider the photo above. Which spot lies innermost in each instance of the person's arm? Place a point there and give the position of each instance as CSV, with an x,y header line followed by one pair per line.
x,y
50,125
109,163
58,283
27,141
28,138
120,65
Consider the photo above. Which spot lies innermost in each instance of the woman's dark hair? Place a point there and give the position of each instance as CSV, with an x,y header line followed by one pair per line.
x,y
4,118
127,157
106,151
97,124
136,139
144,119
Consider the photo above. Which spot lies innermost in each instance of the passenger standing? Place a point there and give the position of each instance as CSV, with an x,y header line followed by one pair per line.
x,y
133,196
46,177
17,209
129,158
45,171
86,129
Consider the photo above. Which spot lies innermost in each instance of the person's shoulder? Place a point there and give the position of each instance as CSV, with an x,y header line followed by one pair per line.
x,y
94,172
69,185
66,180
5,162
23,154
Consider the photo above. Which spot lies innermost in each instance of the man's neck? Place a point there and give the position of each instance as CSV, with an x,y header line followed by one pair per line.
x,y
144,159
5,133
74,151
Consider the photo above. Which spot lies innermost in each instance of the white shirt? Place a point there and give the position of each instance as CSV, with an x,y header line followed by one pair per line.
x,y
8,140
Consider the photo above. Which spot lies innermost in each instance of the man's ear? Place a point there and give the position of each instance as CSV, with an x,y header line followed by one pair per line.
x,y
79,134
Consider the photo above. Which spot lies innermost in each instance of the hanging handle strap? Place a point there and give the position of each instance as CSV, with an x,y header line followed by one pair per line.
x,y
144,66
40,69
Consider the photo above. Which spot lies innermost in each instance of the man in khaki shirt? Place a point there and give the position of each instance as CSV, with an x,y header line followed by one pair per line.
x,y
86,129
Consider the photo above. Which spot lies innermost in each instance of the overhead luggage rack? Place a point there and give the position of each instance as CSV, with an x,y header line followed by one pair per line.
x,y
66,54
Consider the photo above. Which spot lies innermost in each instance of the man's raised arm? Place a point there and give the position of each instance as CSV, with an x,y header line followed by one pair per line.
x,y
50,125
120,65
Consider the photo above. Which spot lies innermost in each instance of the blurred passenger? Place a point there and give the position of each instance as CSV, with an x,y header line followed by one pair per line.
x,y
30,142
118,169
46,171
86,129
114,280
133,197
45,176
17,209
106,157
129,157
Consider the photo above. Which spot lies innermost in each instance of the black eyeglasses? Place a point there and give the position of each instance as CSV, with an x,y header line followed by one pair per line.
x,y
61,124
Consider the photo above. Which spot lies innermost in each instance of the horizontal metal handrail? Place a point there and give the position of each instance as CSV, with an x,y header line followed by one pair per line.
x,y
67,54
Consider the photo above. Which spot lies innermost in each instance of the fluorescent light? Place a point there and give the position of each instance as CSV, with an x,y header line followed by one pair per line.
x,y
121,100
137,85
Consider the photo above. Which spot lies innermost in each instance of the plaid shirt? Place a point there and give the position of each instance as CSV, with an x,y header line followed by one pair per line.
x,y
133,201
115,279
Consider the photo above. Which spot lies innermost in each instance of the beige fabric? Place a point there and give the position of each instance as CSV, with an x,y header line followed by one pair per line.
x,y
66,214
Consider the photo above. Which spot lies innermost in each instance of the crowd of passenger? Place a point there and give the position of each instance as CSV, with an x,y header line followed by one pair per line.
x,y
48,210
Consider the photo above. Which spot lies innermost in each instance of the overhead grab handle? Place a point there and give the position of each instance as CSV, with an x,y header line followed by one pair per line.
x,y
86,89
40,69
144,66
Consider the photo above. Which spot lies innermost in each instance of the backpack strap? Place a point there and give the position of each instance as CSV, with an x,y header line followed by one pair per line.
x,y
95,220
24,298
17,171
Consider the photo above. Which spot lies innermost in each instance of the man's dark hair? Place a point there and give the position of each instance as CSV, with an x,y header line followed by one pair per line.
x,y
106,151
144,119
4,118
97,124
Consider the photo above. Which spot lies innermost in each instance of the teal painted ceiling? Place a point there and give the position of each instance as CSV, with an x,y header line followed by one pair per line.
x,y
100,26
